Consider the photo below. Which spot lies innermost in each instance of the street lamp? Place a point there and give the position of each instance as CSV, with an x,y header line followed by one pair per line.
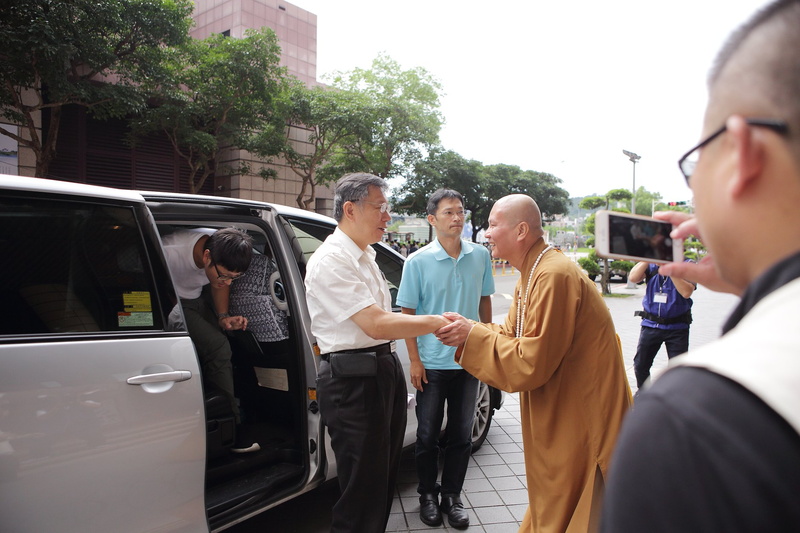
x,y
634,158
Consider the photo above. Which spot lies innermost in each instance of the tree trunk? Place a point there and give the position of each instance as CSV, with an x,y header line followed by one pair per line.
x,y
47,145
604,277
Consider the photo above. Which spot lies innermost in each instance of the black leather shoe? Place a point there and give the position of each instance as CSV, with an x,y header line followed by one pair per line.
x,y
454,509
429,509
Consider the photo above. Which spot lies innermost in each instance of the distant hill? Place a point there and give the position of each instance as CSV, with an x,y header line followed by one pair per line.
x,y
574,210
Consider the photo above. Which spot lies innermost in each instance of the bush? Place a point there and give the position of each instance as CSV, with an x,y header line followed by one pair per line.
x,y
590,266
622,265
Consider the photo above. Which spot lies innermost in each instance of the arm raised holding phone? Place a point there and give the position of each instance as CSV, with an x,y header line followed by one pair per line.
x,y
704,271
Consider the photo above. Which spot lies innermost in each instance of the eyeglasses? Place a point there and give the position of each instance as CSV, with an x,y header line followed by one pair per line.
x,y
450,214
688,162
383,206
225,277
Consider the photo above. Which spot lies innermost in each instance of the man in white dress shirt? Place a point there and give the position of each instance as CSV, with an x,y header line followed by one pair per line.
x,y
360,381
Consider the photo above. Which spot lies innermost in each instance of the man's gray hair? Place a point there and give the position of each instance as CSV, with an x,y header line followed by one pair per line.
x,y
353,188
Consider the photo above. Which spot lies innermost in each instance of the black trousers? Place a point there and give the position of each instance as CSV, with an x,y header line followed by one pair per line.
x,y
366,419
650,341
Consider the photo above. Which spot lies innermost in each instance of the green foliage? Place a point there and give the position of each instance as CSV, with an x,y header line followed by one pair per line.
x,y
400,121
441,169
55,52
332,117
588,225
646,201
221,92
502,180
619,195
481,186
622,265
593,202
590,266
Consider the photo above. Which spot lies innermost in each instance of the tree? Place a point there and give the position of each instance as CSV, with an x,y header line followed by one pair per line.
x,y
401,122
57,53
502,180
331,117
441,169
222,92
646,201
596,202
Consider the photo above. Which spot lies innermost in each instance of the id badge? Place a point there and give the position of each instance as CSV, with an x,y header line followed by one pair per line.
x,y
660,298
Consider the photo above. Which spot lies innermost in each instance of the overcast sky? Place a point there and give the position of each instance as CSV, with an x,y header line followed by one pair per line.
x,y
548,85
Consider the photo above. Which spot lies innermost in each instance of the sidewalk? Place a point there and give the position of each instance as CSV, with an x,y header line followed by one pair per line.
x,y
495,491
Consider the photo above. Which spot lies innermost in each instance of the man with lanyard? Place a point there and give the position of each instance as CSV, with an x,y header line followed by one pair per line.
x,y
665,320
450,274
360,382
714,443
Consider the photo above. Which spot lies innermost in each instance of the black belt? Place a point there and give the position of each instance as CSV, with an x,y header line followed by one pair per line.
x,y
685,318
380,349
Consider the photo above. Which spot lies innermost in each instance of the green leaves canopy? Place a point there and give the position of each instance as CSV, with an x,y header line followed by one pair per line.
x,y
221,92
331,117
56,52
481,186
400,121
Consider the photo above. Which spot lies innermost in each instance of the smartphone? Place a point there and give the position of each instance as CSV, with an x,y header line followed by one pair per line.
x,y
635,238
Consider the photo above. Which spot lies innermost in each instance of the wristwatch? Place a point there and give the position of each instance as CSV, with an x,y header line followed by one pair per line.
x,y
223,315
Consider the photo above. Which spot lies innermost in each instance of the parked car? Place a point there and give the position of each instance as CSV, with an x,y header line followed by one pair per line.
x,y
105,423
619,273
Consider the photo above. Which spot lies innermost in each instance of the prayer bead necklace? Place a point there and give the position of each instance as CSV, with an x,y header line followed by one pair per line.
x,y
522,304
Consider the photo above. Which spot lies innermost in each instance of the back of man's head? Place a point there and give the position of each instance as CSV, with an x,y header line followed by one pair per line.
x,y
230,248
758,70
353,188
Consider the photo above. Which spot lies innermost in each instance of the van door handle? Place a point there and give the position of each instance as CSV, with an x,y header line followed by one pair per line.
x,y
160,377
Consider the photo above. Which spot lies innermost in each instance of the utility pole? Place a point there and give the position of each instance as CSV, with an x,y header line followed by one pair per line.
x,y
634,158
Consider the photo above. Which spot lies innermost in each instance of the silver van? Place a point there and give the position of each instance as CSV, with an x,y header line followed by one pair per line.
x,y
105,422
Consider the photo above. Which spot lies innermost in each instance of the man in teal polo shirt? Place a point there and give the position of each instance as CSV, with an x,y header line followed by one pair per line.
x,y
450,274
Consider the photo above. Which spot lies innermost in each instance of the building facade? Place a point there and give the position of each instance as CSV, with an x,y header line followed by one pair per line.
x,y
96,152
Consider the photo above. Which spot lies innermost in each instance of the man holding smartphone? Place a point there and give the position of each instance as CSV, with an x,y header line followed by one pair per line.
x,y
666,317
714,443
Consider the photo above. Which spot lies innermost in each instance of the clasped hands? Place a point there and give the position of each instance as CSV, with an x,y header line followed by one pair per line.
x,y
456,332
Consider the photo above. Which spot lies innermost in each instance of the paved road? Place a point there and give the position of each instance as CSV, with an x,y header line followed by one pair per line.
x,y
494,489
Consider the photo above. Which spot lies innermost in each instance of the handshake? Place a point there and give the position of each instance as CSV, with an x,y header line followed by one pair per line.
x,y
455,331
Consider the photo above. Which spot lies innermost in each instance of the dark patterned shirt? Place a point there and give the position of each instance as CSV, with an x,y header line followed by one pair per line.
x,y
250,298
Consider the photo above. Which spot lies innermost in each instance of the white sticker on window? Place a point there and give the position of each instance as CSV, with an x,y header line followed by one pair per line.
x,y
135,320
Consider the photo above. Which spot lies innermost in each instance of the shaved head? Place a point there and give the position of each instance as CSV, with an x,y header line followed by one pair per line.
x,y
521,208
757,72
515,225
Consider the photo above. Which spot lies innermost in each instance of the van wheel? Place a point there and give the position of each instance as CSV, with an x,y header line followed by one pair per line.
x,y
483,416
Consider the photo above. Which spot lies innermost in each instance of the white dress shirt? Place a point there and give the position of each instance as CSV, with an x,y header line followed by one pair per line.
x,y
341,280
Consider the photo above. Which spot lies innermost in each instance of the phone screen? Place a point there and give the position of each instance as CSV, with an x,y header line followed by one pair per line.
x,y
640,237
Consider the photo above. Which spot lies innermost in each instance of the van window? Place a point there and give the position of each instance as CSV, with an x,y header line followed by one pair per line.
x,y
71,267
310,235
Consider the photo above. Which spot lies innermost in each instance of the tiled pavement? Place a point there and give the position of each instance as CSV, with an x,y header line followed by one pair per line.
x,y
495,493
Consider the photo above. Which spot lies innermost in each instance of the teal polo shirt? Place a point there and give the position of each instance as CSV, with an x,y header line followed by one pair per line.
x,y
433,282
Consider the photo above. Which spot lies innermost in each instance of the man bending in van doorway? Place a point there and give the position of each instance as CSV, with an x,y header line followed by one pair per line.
x,y
200,257
450,274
